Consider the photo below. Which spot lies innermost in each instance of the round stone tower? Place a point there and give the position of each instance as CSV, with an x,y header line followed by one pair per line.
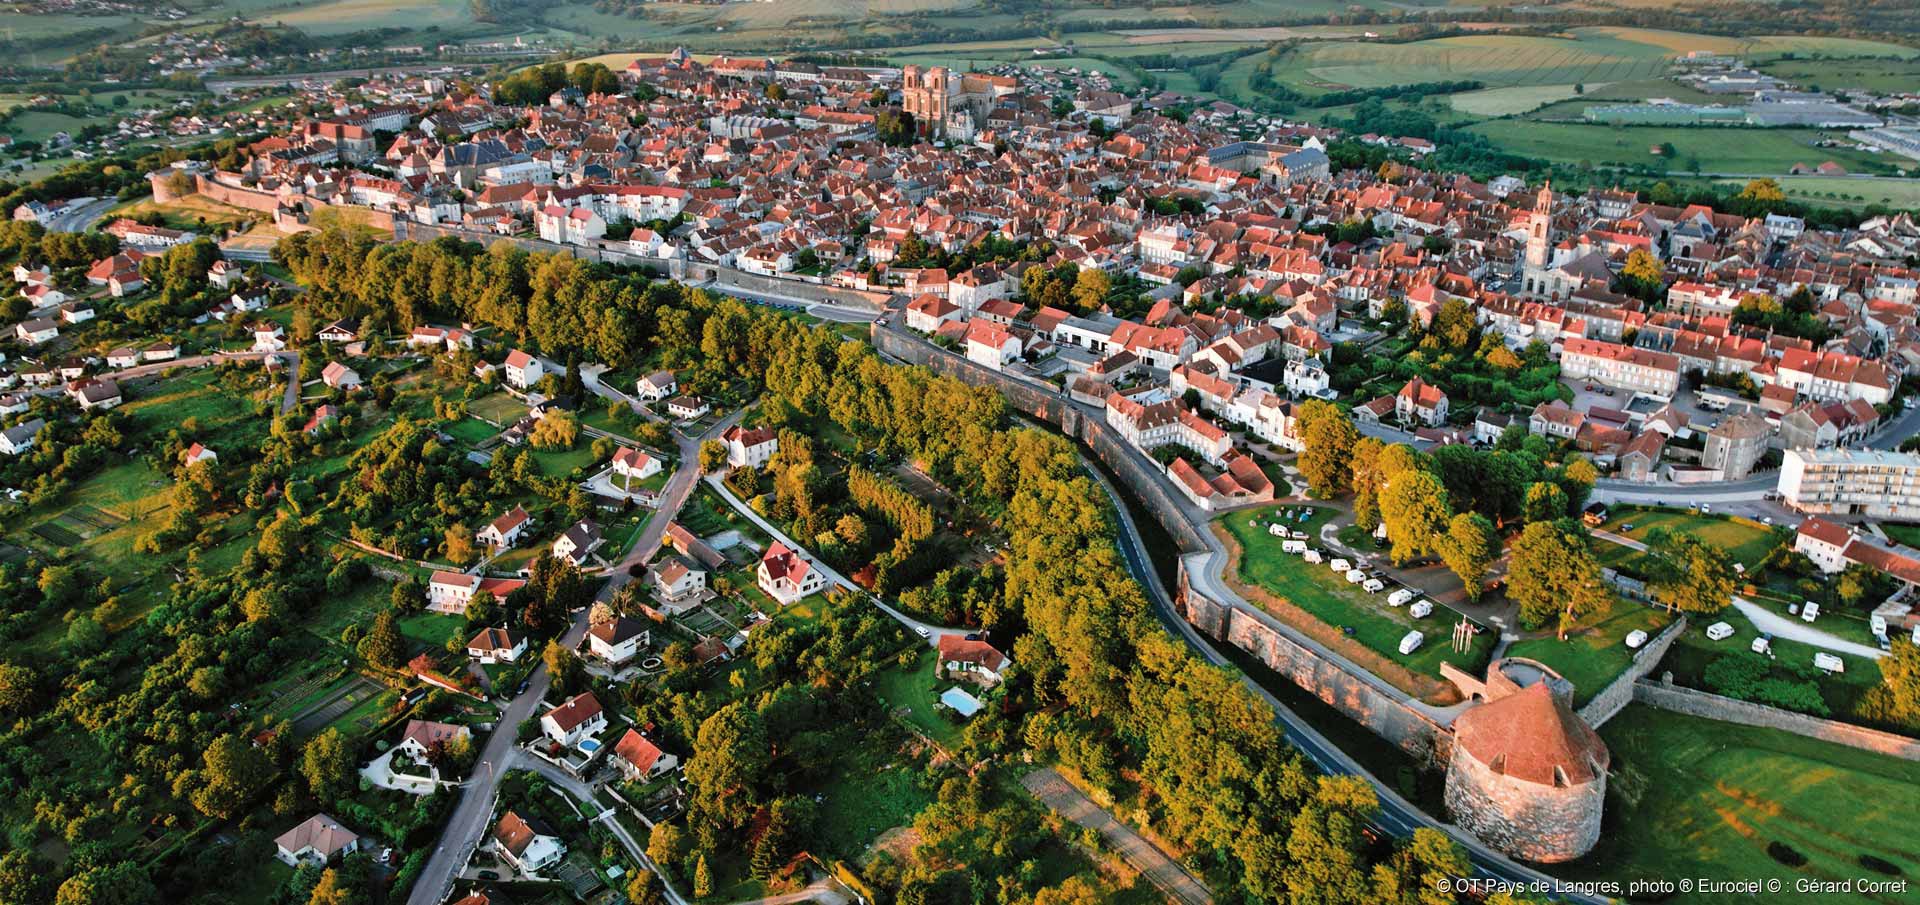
x,y
1527,776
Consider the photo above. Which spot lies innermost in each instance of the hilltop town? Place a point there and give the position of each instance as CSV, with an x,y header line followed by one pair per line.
x,y
708,480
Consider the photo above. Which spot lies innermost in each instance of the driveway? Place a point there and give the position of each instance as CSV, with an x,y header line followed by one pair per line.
x,y
1791,629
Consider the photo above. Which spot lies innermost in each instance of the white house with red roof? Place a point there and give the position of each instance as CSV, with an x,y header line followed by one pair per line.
x,y
339,376
990,344
197,454
787,575
523,370
972,660
1420,402
497,645
634,465
750,446
576,719
450,592
505,531
929,311
421,736
640,759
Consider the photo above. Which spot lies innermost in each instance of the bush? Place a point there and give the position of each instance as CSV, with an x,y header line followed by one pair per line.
x,y
1879,865
1785,854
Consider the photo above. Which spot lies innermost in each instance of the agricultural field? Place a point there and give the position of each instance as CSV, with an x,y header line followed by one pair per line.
x,y
1514,100
1733,151
1694,798
1866,74
1849,191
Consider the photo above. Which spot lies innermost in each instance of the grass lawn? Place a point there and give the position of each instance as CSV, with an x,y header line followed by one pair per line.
x,y
499,408
918,692
1689,656
874,788
1594,654
1908,535
471,431
1747,542
430,629
1695,798
561,463
1315,589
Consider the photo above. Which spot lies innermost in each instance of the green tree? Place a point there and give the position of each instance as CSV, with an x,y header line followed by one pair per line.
x,y
642,888
1469,548
1553,576
1545,502
1688,574
713,455
334,889
1328,436
124,883
1414,508
564,667
18,688
730,756
702,878
1763,190
1090,289
232,773
327,763
383,646
1325,845
1900,682
667,846
1417,873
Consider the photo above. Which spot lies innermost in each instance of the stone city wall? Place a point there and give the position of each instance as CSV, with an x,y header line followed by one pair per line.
x,y
1619,693
1525,820
1715,707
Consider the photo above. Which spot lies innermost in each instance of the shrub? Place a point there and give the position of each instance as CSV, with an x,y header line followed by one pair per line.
x,y
1785,854
1879,865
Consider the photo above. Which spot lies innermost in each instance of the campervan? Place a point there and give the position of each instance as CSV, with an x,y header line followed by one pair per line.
x,y
1355,576
1719,631
1636,638
1311,556
1276,531
1400,597
1809,611
1374,585
1295,547
1762,645
1411,642
1340,565
1421,609
1828,663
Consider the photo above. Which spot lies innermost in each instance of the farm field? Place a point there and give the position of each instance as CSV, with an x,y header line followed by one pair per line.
x,y
1733,151
1514,100
1690,797
1851,190
1839,75
1344,612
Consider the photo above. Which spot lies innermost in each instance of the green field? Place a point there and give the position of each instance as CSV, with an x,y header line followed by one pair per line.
x,y
1315,589
1595,653
917,692
1850,191
1746,542
1694,798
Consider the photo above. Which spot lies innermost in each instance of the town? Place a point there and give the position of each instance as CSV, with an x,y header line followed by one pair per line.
x,y
723,478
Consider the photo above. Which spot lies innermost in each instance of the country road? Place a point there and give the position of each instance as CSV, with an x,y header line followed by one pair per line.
x,y
1174,881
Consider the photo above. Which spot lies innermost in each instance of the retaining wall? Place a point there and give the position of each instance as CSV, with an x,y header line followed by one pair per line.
x,y
1619,693
1715,707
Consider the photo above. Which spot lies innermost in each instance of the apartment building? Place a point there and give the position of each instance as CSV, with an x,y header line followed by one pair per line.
x,y
1869,482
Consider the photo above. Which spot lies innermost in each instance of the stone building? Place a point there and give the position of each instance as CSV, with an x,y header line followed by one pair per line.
x,y
1528,776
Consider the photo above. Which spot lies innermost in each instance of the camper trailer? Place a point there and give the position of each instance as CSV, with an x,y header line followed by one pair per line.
x,y
1719,631
1411,642
1636,638
1311,556
1293,546
1421,609
1355,576
1374,585
1762,645
1809,611
1340,565
1829,663
1400,597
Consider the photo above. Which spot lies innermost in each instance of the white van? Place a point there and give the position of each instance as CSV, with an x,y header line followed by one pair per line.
x,y
1421,609
1355,576
1293,546
1400,597
1411,642
1719,631
1311,556
1636,638
1809,611
1340,565
1374,585
1829,663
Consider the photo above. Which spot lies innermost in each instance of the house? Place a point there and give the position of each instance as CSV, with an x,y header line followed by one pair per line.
x,y
505,531
317,840
686,544
19,438
578,542
36,331
633,465
639,759
197,454
617,640
990,344
929,311
523,370
749,446
160,351
676,578
95,394
1420,402
974,661
223,273
497,645
345,330
657,386
339,376
786,575
1735,447
450,592
578,718
123,357
268,337
687,408
527,844
422,737
322,416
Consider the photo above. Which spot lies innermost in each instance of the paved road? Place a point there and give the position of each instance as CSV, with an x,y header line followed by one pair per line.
x,y
932,633
473,814
80,216
1747,490
1897,430
1780,626
1157,866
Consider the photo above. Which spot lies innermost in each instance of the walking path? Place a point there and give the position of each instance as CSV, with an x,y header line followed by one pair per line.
x,y
1158,867
1780,626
